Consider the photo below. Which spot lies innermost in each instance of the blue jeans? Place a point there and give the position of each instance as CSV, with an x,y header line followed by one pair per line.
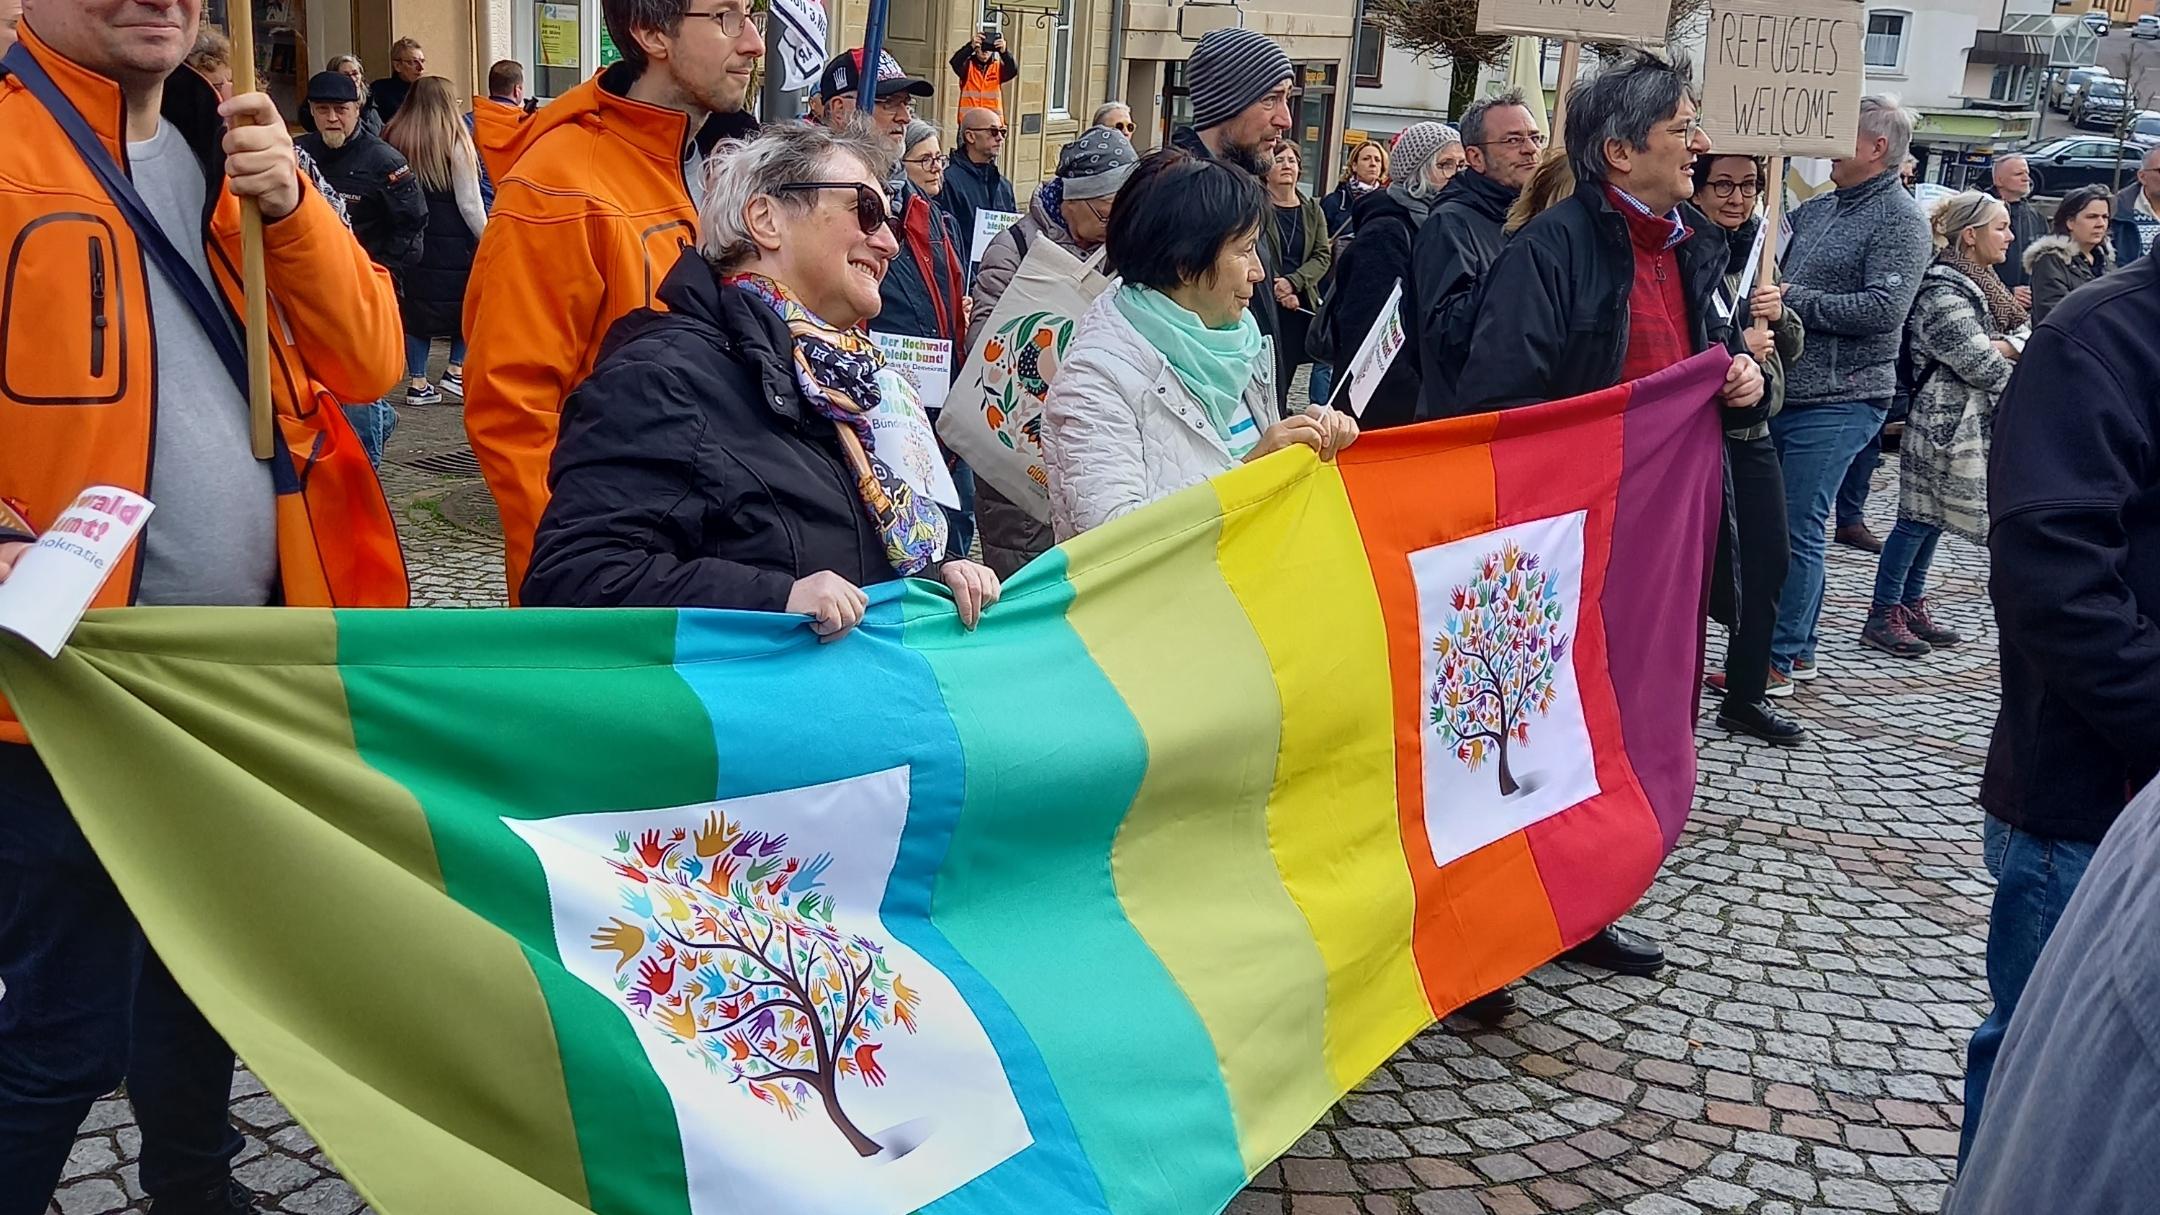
x,y
1901,572
1853,490
2034,879
417,350
87,1004
1816,444
374,422
1323,382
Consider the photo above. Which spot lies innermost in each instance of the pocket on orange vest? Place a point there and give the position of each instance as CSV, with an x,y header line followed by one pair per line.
x,y
65,322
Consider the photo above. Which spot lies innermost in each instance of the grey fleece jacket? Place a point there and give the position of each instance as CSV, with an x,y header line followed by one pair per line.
x,y
1854,266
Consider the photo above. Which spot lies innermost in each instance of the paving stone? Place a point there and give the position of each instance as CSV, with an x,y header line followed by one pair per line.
x,y
1561,1195
1447,1202
97,1196
1719,1195
1933,1142
1858,1195
1318,1177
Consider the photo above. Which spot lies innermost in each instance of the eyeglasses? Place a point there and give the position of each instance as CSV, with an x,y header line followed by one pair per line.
x,y
1101,216
732,20
1517,142
1747,189
935,160
871,209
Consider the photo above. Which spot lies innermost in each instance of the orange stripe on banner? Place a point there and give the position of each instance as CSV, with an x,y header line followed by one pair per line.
x,y
1412,490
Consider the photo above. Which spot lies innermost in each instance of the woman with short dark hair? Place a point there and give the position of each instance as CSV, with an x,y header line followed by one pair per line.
x,y
2074,253
1169,380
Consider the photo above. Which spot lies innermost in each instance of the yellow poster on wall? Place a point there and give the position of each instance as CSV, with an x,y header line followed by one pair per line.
x,y
559,35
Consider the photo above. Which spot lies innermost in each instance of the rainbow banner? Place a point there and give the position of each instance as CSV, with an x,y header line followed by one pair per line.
x,y
1096,909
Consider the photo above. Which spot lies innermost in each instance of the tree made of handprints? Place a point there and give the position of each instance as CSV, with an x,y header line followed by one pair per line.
x,y
1499,650
730,950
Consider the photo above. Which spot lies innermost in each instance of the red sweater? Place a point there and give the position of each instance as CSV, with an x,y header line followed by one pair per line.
x,y
1657,305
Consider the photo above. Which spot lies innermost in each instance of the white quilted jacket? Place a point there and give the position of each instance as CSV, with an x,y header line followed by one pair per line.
x,y
1120,430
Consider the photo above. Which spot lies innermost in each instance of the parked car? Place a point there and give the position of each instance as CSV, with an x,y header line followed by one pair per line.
x,y
2062,165
2069,84
2100,104
2098,23
2148,26
2144,127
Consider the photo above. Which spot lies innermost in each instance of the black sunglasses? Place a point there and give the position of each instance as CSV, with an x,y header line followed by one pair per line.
x,y
871,209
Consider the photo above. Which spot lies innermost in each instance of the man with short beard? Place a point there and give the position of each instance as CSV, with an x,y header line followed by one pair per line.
x,y
1461,238
1239,85
382,196
595,195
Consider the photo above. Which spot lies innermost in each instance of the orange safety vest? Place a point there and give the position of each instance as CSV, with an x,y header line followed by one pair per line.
x,y
983,87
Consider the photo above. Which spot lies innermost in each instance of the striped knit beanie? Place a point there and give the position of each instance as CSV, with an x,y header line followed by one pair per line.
x,y
1229,70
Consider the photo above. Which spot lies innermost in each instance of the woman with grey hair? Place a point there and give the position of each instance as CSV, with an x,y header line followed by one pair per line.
x,y
723,453
923,157
1966,331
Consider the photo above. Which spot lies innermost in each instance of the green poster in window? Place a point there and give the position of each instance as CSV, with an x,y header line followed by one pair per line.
x,y
609,56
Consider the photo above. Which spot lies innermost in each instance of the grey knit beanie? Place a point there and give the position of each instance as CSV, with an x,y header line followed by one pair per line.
x,y
1415,148
1229,70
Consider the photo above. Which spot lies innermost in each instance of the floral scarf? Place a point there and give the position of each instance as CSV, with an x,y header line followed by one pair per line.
x,y
2005,314
837,370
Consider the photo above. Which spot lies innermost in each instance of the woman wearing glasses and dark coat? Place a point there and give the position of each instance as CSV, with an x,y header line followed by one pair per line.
x,y
721,453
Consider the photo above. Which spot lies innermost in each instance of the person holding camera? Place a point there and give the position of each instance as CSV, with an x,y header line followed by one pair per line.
x,y
985,67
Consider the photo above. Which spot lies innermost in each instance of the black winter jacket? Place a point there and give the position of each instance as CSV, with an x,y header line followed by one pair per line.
x,y
924,285
2026,226
2074,493
1263,308
1552,320
1455,248
1378,257
970,187
389,212
690,472
431,290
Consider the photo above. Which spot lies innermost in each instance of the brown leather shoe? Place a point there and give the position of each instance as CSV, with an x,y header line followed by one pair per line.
x,y
1858,536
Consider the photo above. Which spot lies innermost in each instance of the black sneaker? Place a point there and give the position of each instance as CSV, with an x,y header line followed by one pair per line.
x,y
1759,720
227,1197
1490,1009
1619,951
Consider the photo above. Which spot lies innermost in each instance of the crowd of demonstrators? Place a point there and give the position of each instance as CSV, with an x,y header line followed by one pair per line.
x,y
1965,331
408,63
1461,237
1754,551
1852,270
1116,116
505,90
1364,172
2074,546
1072,210
2073,253
1238,82
2136,227
592,202
383,202
1169,380
430,134
1384,223
974,183
1301,235
2011,182
720,454
89,1005
984,67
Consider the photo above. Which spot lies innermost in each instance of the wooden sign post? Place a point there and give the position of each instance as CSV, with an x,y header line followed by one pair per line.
x,y
1782,78
254,280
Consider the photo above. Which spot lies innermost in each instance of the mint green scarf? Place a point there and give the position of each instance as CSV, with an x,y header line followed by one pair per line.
x,y
1215,365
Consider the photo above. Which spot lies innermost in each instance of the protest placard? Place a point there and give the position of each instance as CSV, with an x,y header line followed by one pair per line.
x,y
1641,21
926,362
54,582
1374,355
987,225
1783,77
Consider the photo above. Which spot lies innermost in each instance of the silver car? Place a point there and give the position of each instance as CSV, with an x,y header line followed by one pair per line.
x,y
2069,84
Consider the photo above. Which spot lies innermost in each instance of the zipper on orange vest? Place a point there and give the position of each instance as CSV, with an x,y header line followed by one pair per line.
x,y
98,320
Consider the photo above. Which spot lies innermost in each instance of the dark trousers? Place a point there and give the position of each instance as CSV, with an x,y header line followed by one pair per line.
x,y
1754,551
88,1003
1853,490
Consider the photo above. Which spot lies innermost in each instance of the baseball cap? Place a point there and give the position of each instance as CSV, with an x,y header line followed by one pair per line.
x,y
332,87
844,75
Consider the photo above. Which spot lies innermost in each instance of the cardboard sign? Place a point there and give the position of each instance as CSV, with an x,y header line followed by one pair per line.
x,y
1783,77
1642,21
55,580
987,226
1375,354
926,362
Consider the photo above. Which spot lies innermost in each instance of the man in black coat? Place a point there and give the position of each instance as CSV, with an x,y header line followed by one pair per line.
x,y
1461,238
973,182
2012,183
408,63
389,211
2074,496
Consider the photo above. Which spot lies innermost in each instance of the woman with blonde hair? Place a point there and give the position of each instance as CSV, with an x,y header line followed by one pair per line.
x,y
1365,171
430,131
1965,331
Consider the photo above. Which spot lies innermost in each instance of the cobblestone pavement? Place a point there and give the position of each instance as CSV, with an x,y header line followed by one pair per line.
x,y
1824,915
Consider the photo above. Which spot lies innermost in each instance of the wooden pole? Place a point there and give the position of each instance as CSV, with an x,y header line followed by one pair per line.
x,y
1570,63
1773,215
254,282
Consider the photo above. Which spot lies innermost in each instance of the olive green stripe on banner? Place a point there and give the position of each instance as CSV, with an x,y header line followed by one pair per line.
x,y
293,891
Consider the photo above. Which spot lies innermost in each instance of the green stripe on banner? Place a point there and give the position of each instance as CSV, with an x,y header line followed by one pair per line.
x,y
1178,646
1030,900
605,724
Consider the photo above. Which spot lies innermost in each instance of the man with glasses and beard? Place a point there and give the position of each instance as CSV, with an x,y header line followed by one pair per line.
x,y
1459,241
595,195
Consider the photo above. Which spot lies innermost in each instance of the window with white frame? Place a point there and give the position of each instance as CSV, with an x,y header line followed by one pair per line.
x,y
1885,40
1061,59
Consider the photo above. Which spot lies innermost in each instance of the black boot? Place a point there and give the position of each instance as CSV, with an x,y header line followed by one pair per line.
x,y
227,1197
1757,719
1490,1009
1619,951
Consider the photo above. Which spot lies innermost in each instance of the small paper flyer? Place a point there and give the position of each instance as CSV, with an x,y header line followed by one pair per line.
x,y
1375,354
56,578
926,362
900,434
987,226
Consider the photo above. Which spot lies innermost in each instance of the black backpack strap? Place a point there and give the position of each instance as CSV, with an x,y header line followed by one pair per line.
x,y
216,319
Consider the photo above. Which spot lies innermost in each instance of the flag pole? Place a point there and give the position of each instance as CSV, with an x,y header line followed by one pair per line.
x,y
1570,62
873,48
240,28
1773,215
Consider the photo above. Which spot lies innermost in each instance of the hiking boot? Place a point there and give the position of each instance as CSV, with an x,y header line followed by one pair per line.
x,y
422,394
453,382
1758,720
1780,685
1924,627
1858,536
227,1197
1886,631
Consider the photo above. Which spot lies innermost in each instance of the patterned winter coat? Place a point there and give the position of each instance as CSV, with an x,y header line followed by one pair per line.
x,y
1943,465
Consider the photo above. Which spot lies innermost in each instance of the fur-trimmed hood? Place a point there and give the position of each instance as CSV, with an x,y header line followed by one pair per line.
x,y
2059,247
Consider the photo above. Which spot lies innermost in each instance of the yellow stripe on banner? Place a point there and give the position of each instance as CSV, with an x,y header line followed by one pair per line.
x,y
1292,554
1171,638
